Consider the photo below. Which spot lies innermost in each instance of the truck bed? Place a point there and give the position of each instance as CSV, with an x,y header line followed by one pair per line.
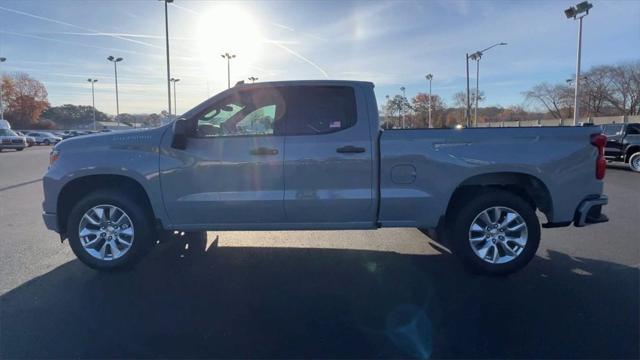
x,y
421,169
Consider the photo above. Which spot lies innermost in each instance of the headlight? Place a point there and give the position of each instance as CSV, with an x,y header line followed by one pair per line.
x,y
54,155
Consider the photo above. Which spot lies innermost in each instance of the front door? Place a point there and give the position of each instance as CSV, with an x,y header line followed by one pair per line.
x,y
231,171
615,135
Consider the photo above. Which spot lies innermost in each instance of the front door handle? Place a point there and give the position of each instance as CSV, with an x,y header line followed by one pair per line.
x,y
264,151
350,149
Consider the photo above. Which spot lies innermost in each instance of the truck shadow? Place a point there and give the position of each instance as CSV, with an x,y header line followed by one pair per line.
x,y
281,303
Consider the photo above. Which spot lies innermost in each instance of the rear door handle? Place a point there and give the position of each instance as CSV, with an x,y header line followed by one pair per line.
x,y
264,151
350,149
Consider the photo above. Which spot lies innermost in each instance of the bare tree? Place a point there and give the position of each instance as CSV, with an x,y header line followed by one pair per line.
x,y
625,88
557,99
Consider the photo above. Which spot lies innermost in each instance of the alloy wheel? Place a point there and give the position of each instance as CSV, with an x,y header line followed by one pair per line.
x,y
106,232
498,235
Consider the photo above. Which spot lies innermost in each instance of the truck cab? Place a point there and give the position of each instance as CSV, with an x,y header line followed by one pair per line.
x,y
623,143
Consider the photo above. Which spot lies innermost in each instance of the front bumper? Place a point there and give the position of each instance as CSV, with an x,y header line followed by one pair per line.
x,y
590,211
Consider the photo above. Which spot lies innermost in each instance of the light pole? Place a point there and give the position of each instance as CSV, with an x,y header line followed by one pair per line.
x,y
253,79
402,104
228,57
429,77
115,62
175,104
476,56
2,59
573,12
93,101
166,32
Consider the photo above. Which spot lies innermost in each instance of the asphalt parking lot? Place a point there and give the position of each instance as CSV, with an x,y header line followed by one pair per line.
x,y
350,294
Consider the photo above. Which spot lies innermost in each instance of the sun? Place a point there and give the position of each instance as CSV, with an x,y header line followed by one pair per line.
x,y
228,28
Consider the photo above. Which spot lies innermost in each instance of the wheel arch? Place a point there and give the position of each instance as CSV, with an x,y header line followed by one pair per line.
x,y
77,188
527,186
630,151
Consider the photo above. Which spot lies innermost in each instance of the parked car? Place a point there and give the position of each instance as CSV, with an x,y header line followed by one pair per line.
x,y
623,144
44,138
10,140
30,140
309,155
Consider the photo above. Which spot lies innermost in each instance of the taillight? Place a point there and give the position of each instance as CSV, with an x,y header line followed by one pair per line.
x,y
599,141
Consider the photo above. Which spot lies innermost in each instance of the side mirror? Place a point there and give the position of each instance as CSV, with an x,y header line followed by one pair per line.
x,y
180,133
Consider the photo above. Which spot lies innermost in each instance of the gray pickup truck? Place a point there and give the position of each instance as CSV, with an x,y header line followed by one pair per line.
x,y
310,155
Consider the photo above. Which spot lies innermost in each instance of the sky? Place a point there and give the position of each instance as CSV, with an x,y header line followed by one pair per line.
x,y
391,43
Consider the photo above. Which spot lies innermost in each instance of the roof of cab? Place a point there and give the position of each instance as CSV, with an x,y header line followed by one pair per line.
x,y
305,83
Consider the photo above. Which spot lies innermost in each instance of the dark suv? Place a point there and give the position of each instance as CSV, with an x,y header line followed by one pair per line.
x,y
623,143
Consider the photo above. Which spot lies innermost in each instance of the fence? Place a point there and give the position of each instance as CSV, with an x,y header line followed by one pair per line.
x,y
564,122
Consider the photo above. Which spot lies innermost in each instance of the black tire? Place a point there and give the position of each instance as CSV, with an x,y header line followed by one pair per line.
x,y
634,162
47,142
466,213
144,231
19,149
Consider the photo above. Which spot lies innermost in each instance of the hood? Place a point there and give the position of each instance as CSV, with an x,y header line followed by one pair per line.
x,y
114,139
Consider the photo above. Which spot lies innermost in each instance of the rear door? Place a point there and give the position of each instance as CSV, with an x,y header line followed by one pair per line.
x,y
328,168
231,171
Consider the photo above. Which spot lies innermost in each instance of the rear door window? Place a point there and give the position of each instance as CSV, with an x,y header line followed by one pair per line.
x,y
314,110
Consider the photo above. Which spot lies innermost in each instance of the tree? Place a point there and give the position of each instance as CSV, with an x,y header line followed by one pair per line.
x,y
512,113
70,116
25,98
397,106
625,88
557,99
420,106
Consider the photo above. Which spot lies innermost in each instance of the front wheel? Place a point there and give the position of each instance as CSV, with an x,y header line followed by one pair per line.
x,y
19,149
47,142
495,233
634,162
109,230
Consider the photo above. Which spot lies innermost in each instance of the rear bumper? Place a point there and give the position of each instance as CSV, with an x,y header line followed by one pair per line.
x,y
590,211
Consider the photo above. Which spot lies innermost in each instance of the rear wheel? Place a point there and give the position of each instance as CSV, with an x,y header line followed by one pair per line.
x,y
495,233
634,162
109,230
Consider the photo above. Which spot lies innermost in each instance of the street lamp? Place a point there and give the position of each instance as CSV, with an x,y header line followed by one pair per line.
x,y
429,77
253,79
175,104
166,33
228,57
93,100
2,59
574,12
402,104
476,56
115,62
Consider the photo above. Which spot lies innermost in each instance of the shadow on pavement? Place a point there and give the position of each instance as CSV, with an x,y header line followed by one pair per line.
x,y
282,303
